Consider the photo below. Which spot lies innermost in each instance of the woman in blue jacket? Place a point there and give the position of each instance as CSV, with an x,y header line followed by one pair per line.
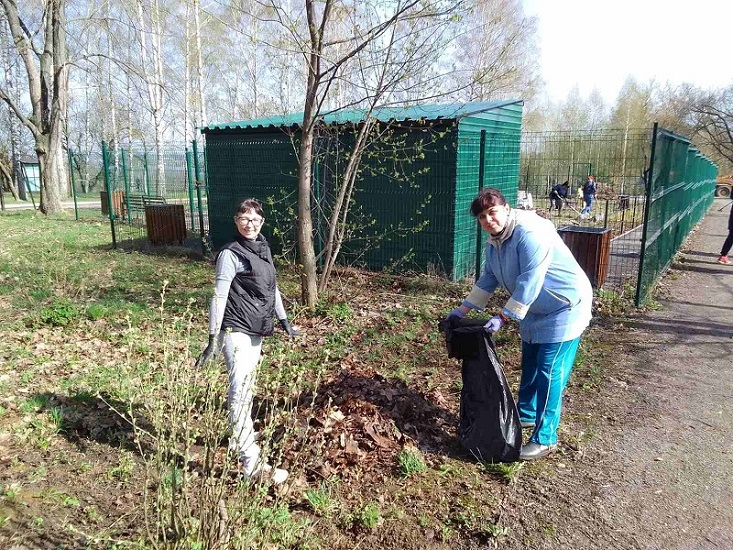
x,y
551,298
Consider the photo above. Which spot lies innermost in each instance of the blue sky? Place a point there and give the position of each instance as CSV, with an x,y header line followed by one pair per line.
x,y
593,43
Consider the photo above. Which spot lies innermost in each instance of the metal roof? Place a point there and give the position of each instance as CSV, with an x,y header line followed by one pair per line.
x,y
384,114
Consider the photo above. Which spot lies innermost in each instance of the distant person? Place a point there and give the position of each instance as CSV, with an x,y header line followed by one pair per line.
x,y
245,302
589,196
558,195
728,242
551,299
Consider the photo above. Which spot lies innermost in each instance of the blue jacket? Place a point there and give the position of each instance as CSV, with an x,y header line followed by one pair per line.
x,y
560,191
551,296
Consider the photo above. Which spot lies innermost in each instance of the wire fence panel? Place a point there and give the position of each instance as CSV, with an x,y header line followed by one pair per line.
x,y
681,188
149,198
619,161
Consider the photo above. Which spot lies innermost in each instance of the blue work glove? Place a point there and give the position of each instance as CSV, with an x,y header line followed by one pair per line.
x,y
494,324
285,324
455,313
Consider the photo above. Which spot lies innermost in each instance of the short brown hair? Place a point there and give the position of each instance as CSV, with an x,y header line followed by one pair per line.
x,y
248,205
487,198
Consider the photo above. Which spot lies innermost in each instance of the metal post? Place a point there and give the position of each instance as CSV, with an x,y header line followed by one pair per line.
x,y
647,206
126,179
482,158
319,206
73,184
605,221
147,173
199,184
190,179
108,186
623,219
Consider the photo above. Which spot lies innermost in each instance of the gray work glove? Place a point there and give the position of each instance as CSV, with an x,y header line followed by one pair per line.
x,y
211,351
285,324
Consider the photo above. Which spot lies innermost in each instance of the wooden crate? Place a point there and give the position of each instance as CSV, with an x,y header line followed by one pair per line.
x,y
591,246
166,224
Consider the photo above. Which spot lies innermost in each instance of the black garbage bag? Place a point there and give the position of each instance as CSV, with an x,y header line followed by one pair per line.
x,y
489,425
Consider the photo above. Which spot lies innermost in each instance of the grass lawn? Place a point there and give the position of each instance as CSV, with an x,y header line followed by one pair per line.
x,y
110,438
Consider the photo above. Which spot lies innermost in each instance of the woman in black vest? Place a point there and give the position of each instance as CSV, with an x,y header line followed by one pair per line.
x,y
245,302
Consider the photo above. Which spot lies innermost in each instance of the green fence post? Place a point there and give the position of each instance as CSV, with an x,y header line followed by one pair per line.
x,y
147,173
199,184
482,158
126,180
319,206
73,184
108,186
642,253
190,178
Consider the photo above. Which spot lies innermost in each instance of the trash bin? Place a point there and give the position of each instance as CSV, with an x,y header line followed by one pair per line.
x,y
591,246
166,224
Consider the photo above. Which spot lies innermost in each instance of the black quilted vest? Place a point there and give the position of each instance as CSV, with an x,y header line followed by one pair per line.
x,y
251,303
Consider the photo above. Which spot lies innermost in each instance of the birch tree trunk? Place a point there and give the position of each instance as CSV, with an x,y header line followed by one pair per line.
x,y
201,121
154,82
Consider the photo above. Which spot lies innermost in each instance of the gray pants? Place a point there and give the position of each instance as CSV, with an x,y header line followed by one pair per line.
x,y
242,355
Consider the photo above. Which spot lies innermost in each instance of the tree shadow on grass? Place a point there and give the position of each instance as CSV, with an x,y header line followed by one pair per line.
x,y
85,417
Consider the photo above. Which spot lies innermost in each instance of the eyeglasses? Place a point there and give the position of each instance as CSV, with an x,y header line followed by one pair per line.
x,y
254,222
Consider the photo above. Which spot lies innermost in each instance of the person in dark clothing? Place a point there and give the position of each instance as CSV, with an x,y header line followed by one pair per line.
x,y
245,302
728,242
558,195
589,196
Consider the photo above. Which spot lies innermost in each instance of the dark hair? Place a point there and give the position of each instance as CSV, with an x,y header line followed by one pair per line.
x,y
487,198
566,182
250,204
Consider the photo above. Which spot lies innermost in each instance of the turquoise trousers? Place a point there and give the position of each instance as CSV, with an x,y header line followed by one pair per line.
x,y
545,372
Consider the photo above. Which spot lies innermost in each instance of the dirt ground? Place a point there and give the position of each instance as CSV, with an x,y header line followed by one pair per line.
x,y
658,473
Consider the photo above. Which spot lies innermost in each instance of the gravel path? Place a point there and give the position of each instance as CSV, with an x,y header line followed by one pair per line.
x,y
675,491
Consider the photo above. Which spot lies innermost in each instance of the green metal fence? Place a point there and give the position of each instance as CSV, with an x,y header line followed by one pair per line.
x,y
680,187
148,199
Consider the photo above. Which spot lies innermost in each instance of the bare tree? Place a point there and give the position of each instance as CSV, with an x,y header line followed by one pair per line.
x,y
496,52
377,47
152,73
47,71
711,119
11,172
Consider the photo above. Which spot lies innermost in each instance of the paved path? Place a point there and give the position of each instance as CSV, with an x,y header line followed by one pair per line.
x,y
68,205
676,484
624,259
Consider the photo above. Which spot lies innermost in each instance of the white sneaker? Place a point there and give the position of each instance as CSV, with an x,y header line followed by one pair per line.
x,y
267,472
